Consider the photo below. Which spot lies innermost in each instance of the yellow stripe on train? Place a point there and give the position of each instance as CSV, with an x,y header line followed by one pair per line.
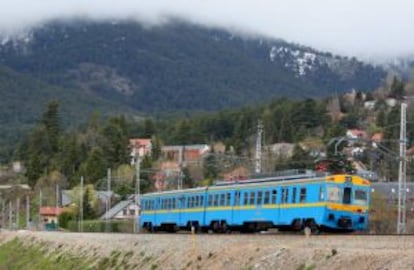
x,y
329,205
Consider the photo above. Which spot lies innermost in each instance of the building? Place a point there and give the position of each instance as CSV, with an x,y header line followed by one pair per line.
x,y
50,214
282,150
185,153
123,210
239,173
140,147
356,134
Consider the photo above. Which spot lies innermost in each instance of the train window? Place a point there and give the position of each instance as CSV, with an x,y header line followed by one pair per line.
x,y
285,195
294,195
237,198
246,198
302,198
360,197
266,198
216,199
210,200
228,196
274,196
259,197
321,194
252,197
173,203
334,194
222,199
197,203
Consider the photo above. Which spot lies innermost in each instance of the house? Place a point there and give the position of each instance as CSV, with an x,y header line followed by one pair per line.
x,y
167,173
356,134
103,197
239,173
370,105
185,153
140,147
377,137
123,210
50,214
391,102
282,150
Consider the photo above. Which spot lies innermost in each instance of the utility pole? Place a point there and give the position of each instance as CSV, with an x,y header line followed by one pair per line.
x,y
81,206
10,215
28,212
17,212
40,207
108,199
3,213
137,193
57,195
258,157
402,184
181,166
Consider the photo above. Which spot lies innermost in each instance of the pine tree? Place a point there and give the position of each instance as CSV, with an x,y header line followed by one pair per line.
x,y
88,210
52,123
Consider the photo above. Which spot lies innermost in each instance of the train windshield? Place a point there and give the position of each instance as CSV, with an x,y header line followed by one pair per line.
x,y
334,194
360,197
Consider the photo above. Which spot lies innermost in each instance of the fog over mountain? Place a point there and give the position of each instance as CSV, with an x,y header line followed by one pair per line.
x,y
368,29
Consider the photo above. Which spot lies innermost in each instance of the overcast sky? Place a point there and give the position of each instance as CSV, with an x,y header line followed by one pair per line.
x,y
365,28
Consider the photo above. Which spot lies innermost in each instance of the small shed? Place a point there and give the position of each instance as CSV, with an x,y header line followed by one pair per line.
x,y
49,216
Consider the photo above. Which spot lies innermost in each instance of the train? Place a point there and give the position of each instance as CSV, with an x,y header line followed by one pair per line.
x,y
306,199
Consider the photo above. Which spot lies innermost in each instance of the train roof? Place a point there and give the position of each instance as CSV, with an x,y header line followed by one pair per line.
x,y
307,177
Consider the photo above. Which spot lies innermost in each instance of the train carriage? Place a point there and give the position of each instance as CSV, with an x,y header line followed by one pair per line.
x,y
328,202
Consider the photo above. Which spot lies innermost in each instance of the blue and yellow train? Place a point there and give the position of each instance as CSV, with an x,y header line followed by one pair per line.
x,y
337,202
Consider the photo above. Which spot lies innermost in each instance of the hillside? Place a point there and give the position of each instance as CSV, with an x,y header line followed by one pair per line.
x,y
124,67
23,98
179,66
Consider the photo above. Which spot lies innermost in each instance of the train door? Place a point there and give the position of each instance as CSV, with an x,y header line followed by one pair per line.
x,y
274,204
284,210
235,207
156,209
180,209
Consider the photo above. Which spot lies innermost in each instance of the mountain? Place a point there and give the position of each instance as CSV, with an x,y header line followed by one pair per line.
x,y
179,66
123,66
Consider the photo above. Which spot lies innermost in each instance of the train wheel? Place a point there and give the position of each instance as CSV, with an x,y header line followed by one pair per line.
x,y
224,227
297,225
215,226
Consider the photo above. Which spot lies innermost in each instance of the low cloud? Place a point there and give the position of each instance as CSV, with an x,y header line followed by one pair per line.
x,y
368,28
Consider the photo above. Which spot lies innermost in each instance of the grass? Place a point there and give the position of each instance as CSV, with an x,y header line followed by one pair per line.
x,y
15,255
304,267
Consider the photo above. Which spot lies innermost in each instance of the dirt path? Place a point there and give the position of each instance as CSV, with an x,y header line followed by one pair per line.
x,y
171,251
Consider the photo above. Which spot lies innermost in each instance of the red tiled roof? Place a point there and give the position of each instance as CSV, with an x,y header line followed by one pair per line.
x,y
138,141
50,211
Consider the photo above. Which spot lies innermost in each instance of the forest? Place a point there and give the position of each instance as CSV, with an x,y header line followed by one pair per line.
x,y
51,152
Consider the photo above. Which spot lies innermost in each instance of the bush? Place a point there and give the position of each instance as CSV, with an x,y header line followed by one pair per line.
x,y
65,217
382,216
119,226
